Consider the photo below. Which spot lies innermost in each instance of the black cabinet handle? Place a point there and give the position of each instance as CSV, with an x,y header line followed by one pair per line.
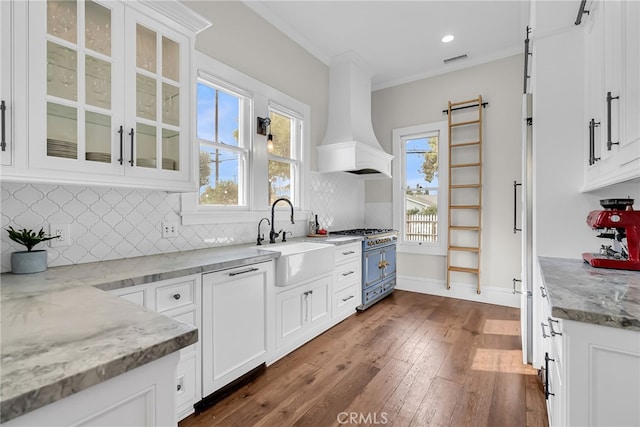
x,y
179,387
348,273
348,298
121,132
348,253
515,204
131,135
249,270
177,296
547,359
592,141
609,99
3,141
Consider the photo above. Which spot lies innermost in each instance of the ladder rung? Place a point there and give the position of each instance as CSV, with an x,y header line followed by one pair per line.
x,y
464,206
470,101
464,269
465,185
465,227
465,144
464,248
464,165
470,122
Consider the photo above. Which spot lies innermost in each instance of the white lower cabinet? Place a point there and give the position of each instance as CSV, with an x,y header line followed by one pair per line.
x,y
347,281
179,299
140,397
237,322
591,372
302,311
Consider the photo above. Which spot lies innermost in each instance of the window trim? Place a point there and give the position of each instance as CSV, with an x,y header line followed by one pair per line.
x,y
399,178
263,96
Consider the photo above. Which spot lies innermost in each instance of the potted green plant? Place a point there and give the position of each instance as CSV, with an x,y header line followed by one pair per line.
x,y
28,261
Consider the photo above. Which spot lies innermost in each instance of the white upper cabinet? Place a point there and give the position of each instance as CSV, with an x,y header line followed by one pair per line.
x,y
110,87
6,97
612,38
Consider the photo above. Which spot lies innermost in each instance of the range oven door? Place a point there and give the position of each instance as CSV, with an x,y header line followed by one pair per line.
x,y
379,263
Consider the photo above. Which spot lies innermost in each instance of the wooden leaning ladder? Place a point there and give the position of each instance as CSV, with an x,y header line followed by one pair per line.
x,y
456,226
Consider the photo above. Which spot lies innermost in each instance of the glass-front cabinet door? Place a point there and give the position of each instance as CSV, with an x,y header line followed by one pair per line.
x,y
75,85
157,70
108,93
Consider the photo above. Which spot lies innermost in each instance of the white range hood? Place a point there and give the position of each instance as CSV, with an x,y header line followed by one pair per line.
x,y
349,143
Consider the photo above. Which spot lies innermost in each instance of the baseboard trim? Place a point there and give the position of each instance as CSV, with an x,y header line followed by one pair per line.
x,y
465,291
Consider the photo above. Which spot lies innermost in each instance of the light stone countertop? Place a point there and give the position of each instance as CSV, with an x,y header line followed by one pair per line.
x,y
61,333
587,294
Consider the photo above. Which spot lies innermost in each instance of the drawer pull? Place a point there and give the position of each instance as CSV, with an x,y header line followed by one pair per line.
x,y
347,298
248,270
544,295
348,253
544,334
553,333
348,273
179,387
177,296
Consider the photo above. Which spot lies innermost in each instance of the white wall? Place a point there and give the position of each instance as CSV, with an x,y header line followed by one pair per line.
x,y
240,38
500,84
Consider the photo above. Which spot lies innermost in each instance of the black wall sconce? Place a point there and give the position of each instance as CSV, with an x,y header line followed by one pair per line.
x,y
263,123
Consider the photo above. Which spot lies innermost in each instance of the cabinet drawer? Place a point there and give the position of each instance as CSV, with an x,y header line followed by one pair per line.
x,y
175,295
347,299
347,274
190,319
345,253
186,383
136,297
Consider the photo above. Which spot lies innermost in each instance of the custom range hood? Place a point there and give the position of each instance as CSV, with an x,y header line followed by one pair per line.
x,y
349,143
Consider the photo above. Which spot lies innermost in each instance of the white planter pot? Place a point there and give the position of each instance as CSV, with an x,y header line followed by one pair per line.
x,y
26,262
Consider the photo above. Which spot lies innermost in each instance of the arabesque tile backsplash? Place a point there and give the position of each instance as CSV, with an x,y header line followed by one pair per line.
x,y
112,223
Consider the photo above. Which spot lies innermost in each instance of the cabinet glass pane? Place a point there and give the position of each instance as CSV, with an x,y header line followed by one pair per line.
x,y
98,28
170,59
62,19
146,97
62,131
170,104
145,146
170,150
62,66
146,56
98,82
98,137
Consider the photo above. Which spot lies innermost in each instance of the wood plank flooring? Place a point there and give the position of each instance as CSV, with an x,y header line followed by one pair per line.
x,y
410,360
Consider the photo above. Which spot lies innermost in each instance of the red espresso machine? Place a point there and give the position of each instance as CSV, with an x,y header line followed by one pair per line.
x,y
621,224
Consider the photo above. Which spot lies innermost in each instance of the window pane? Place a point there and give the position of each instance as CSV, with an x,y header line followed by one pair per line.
x,y
279,180
218,116
219,174
281,130
421,184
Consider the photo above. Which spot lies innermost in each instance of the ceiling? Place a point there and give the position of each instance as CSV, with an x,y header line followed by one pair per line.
x,y
401,40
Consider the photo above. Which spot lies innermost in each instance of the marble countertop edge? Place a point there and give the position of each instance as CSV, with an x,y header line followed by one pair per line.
x,y
14,406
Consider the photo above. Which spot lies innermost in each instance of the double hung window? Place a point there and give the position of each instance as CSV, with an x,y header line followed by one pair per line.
x,y
284,155
223,136
419,192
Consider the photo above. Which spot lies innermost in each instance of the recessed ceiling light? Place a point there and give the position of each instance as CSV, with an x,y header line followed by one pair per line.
x,y
447,38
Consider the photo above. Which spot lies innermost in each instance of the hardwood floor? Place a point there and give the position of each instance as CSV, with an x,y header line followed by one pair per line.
x,y
410,360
